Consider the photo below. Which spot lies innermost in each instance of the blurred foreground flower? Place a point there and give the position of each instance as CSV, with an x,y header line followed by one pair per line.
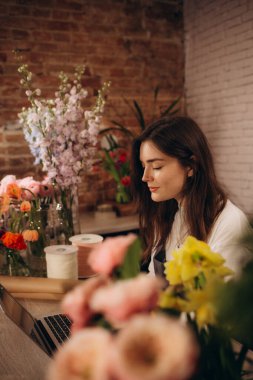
x,y
152,334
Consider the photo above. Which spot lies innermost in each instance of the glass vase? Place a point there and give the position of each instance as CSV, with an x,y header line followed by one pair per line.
x,y
35,249
63,218
14,264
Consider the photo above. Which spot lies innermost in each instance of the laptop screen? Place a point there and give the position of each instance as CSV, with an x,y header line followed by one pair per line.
x,y
48,332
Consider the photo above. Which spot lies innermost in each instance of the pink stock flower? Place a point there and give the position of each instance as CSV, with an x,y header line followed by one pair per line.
x,y
110,253
82,357
119,301
76,303
153,347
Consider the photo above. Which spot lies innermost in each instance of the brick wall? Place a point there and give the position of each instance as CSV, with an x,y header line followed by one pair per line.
x,y
136,44
219,87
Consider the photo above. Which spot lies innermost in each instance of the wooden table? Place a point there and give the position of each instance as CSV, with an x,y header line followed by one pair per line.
x,y
107,223
20,357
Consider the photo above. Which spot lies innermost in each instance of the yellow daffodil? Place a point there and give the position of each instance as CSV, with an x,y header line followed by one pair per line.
x,y
193,258
170,301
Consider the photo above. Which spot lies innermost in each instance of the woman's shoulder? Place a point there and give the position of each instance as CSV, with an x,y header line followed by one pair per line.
x,y
231,220
232,211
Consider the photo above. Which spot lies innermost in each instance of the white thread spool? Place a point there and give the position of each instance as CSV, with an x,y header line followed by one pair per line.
x,y
85,243
61,261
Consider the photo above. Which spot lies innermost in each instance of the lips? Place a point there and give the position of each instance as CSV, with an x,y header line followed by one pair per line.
x,y
153,189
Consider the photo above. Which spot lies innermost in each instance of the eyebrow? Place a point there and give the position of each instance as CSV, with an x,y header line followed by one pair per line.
x,y
154,159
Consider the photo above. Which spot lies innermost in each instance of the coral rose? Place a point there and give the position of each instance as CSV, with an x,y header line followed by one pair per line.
x,y
121,300
25,206
76,303
110,253
154,347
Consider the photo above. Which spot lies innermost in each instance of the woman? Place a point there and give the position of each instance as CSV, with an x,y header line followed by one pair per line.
x,y
177,193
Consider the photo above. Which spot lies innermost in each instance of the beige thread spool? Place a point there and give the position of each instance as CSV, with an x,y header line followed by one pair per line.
x,y
61,261
85,243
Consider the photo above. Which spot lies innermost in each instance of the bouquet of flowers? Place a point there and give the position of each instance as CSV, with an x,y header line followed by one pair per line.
x,y
62,134
115,161
20,200
130,326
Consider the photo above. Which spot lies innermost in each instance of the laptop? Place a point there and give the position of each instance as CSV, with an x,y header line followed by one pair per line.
x,y
48,332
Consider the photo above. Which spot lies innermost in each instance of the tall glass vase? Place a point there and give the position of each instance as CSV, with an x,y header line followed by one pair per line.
x,y
63,217
35,249
13,264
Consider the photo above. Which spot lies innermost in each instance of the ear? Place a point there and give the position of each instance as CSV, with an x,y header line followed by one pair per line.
x,y
189,172
190,169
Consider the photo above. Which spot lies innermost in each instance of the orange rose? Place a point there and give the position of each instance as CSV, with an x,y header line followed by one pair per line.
x,y
13,241
25,206
30,235
14,191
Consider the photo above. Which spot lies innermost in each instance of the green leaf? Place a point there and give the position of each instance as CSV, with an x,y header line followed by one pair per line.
x,y
139,115
131,265
119,128
169,109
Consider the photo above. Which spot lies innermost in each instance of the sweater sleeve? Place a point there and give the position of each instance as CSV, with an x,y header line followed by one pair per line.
x,y
231,225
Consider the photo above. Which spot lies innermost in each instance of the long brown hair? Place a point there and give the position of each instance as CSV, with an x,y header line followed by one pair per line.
x,y
204,199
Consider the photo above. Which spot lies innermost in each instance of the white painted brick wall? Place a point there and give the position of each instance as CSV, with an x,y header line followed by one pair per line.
x,y
219,87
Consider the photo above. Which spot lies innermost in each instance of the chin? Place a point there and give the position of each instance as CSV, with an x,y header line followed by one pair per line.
x,y
156,198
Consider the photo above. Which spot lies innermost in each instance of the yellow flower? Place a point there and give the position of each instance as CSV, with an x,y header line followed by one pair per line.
x,y
192,259
206,314
169,300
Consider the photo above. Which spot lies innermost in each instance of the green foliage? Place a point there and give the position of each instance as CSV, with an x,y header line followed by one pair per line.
x,y
131,265
138,113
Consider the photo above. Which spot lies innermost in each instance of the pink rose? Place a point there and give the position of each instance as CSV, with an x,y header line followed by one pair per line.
x,y
76,303
110,253
84,356
30,186
154,347
119,301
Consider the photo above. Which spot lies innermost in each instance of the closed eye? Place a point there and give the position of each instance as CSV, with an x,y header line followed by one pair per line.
x,y
158,168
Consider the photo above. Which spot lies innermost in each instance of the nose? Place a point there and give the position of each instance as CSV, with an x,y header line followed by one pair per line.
x,y
147,175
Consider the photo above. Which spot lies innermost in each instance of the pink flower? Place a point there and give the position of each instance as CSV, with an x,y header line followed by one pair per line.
x,y
46,188
76,303
154,347
7,180
32,186
119,301
110,253
84,356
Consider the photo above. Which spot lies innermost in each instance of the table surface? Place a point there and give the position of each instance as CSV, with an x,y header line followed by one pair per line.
x,y
20,357
106,222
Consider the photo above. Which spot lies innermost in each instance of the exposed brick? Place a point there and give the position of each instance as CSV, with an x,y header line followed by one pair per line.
x,y
120,41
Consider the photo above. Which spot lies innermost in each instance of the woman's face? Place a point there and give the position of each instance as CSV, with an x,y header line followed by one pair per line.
x,y
164,175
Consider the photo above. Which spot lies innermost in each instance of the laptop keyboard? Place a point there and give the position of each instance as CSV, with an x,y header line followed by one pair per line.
x,y
60,326
52,331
